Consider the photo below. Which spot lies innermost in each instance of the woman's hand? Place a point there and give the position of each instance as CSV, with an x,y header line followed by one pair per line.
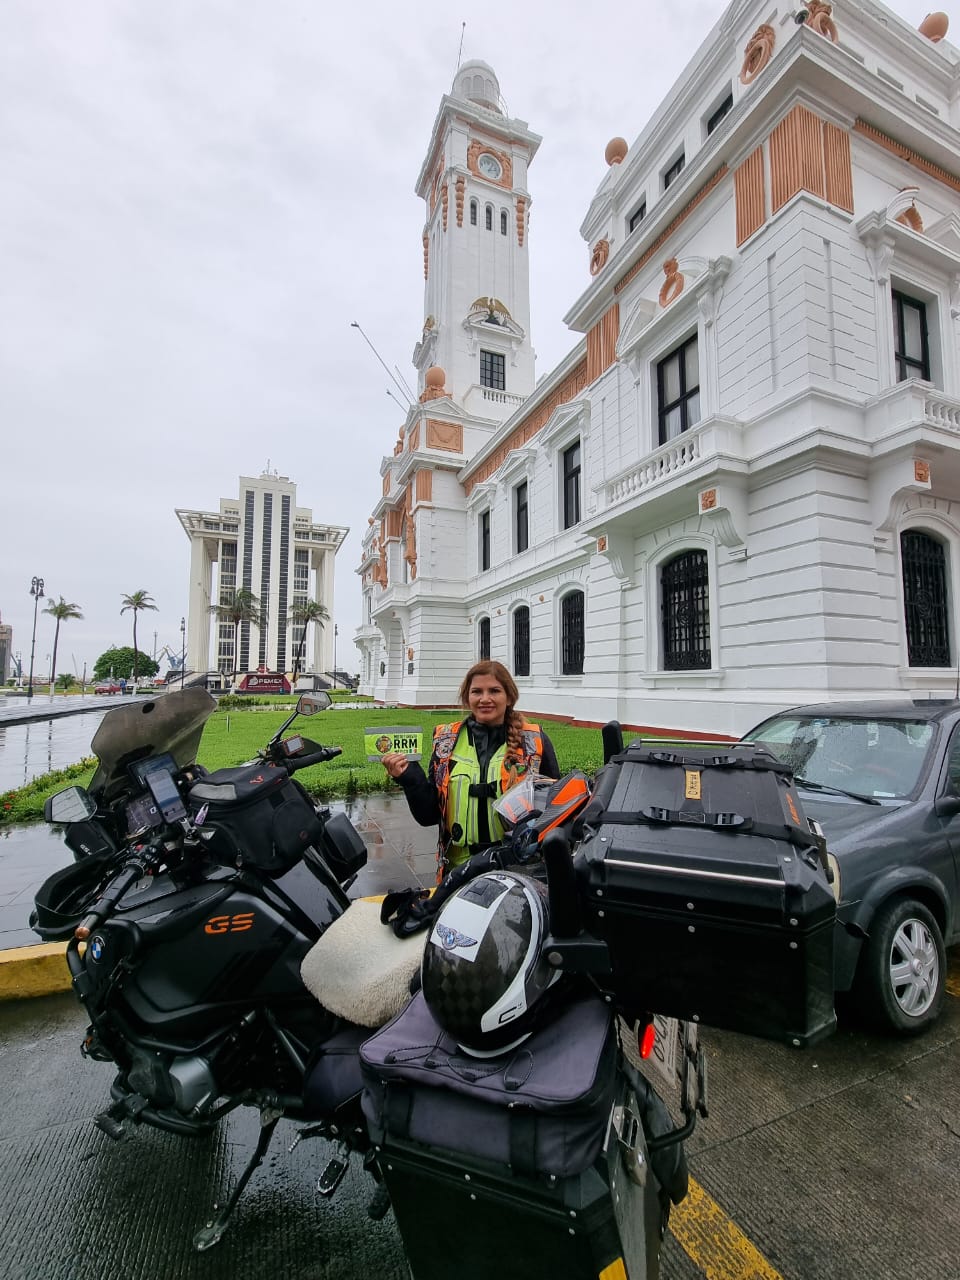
x,y
395,763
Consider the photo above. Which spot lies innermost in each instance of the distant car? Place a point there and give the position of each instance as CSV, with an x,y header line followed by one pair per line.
x,y
106,686
883,781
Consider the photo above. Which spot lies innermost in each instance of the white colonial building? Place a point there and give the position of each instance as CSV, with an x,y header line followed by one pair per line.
x,y
261,542
741,489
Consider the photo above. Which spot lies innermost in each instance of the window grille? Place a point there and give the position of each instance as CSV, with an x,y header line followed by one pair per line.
x,y
503,222
522,516
488,217
571,485
911,344
678,390
725,106
637,216
492,370
685,606
473,213
484,638
670,175
572,634
484,540
521,641
923,563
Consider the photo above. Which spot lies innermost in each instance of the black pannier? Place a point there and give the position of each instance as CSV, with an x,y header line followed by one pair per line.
x,y
704,878
533,1155
342,847
258,816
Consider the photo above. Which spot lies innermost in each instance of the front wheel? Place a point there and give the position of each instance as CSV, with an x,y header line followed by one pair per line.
x,y
903,968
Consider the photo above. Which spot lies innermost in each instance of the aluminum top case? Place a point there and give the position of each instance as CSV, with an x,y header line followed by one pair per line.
x,y
711,890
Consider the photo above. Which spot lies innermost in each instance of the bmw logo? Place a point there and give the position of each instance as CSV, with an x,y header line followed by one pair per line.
x,y
97,948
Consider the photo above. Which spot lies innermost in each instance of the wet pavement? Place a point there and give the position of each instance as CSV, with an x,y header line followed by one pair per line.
x,y
399,854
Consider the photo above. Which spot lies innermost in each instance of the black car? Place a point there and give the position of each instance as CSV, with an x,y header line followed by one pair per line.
x,y
883,781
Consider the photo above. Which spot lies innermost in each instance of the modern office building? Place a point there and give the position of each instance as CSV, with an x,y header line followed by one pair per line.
x,y
260,542
741,488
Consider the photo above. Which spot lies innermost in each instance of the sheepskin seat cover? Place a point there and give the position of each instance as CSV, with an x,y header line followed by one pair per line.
x,y
359,969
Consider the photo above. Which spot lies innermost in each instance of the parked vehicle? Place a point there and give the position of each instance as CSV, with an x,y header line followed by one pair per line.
x,y
883,780
192,902
107,686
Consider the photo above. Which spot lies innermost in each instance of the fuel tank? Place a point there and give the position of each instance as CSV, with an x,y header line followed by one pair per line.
x,y
185,959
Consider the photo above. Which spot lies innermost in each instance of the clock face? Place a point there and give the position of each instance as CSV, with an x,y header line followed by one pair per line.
x,y
489,165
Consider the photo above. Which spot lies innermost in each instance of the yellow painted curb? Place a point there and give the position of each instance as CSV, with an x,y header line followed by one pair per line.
x,y
714,1242
33,971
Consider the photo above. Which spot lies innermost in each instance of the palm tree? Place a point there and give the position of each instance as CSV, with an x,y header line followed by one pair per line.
x,y
62,611
307,611
137,601
235,607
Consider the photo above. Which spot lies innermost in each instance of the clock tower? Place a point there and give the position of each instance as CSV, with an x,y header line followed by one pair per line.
x,y
476,324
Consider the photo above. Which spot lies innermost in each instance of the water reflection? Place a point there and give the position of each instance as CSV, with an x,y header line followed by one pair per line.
x,y
28,751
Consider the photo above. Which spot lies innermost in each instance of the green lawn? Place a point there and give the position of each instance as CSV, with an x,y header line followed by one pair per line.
x,y
232,737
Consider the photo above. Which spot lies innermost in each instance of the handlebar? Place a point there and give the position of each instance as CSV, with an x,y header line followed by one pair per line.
x,y
293,763
133,870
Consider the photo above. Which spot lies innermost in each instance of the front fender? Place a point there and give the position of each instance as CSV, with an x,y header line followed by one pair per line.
x,y
898,882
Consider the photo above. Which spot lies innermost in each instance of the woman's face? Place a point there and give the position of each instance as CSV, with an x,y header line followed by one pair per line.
x,y
487,700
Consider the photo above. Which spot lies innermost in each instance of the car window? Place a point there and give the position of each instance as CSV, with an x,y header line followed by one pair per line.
x,y
871,756
953,766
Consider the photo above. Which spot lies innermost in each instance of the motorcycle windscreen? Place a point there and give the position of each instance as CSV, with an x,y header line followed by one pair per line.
x,y
148,727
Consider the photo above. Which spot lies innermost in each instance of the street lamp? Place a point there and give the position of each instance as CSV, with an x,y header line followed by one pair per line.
x,y
183,647
36,590
334,655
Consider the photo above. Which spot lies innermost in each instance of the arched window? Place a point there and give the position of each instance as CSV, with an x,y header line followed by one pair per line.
x,y
521,641
473,213
685,611
503,222
572,634
483,639
924,569
488,213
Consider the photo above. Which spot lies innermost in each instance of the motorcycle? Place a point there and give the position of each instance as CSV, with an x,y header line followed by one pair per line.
x,y
190,906
188,911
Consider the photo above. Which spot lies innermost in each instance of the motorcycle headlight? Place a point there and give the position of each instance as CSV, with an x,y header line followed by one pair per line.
x,y
835,868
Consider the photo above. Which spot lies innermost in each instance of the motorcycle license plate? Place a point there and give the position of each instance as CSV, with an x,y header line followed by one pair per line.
x,y
666,1060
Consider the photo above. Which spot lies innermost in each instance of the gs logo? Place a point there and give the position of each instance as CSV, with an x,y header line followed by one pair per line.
x,y
229,924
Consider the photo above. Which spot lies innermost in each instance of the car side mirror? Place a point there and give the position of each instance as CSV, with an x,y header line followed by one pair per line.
x,y
947,806
72,805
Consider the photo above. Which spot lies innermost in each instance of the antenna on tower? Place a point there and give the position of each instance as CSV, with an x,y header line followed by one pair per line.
x,y
399,385
463,27
404,381
396,401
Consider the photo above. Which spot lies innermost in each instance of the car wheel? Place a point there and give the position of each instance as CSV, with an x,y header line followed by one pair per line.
x,y
904,967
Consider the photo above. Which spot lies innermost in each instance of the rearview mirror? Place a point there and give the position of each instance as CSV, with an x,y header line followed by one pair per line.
x,y
309,704
947,806
72,805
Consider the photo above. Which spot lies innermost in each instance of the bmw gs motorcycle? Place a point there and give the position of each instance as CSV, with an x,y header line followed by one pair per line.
x,y
191,903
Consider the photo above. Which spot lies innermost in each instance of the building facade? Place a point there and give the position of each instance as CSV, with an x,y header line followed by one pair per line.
x,y
741,489
260,542
7,661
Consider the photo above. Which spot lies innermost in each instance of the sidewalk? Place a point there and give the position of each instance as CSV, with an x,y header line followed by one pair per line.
x,y
399,854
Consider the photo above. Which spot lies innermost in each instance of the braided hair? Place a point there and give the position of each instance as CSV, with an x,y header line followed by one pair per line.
x,y
512,720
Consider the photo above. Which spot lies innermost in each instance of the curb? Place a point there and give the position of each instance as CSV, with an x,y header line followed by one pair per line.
x,y
39,970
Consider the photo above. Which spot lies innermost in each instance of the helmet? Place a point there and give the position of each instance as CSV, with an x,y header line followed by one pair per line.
x,y
483,971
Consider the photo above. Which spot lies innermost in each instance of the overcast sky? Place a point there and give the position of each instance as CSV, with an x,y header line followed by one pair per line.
x,y
197,197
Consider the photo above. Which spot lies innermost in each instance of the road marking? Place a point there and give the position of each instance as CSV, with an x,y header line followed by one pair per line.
x,y
715,1242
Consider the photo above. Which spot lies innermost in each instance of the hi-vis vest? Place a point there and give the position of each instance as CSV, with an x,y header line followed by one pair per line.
x,y
457,767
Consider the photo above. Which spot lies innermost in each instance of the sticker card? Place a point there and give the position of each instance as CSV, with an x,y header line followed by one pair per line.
x,y
406,739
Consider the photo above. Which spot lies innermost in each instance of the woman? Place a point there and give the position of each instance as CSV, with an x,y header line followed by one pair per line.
x,y
474,761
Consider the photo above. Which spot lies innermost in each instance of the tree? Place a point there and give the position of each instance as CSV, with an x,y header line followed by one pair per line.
x,y
66,681
307,611
62,611
118,662
137,601
235,607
